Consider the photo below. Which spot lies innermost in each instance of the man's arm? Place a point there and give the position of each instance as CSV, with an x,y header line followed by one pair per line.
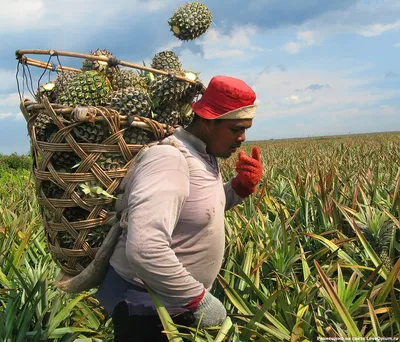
x,y
157,195
232,198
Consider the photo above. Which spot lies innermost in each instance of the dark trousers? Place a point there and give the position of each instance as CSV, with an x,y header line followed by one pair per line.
x,y
141,328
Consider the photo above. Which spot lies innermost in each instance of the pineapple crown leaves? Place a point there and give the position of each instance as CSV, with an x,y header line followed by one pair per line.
x,y
94,190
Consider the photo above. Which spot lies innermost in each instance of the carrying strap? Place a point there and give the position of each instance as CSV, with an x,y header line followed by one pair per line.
x,y
122,213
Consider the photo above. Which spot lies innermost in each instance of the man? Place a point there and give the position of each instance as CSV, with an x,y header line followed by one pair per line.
x,y
174,202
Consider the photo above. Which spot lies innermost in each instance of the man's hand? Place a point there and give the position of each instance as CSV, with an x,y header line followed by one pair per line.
x,y
210,311
249,172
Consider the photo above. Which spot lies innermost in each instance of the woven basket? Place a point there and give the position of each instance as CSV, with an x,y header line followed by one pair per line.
x,y
100,211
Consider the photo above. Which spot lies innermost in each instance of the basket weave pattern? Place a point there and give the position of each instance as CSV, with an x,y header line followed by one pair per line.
x,y
100,210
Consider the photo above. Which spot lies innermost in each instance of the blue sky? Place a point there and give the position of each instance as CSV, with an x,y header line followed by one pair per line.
x,y
318,67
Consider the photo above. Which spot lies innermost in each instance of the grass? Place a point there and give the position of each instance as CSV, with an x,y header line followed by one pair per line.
x,y
303,261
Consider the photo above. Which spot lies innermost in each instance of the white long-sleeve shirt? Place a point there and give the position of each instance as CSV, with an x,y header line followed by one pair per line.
x,y
176,204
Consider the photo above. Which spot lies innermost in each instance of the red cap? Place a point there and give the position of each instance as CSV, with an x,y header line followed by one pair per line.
x,y
223,95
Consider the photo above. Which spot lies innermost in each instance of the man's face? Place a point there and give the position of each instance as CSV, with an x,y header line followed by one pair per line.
x,y
226,136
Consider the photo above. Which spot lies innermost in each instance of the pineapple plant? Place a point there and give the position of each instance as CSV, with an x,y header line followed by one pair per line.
x,y
190,21
131,102
379,237
87,88
166,60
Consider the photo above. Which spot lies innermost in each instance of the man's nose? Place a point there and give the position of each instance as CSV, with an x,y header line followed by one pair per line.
x,y
242,137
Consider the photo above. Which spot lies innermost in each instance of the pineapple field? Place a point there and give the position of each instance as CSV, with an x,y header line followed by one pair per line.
x,y
312,255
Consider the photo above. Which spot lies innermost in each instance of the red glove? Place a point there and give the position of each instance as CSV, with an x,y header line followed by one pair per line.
x,y
249,170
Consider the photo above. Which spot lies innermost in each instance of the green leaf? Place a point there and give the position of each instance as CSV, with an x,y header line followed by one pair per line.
x,y
339,306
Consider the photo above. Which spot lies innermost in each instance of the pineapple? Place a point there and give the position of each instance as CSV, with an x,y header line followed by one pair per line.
x,y
379,237
65,161
44,127
128,78
187,115
52,190
111,161
136,136
48,90
192,91
190,21
100,66
88,132
167,90
169,115
131,101
88,88
60,84
166,60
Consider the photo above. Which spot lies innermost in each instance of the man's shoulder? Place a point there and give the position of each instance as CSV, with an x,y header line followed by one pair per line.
x,y
163,156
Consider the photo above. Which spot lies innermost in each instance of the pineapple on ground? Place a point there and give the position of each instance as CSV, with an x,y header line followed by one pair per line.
x,y
87,88
166,60
190,21
101,66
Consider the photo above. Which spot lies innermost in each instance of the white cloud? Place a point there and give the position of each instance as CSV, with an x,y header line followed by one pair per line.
x,y
291,47
389,110
10,100
304,39
218,45
7,80
296,100
397,45
349,90
9,105
170,45
378,29
20,14
224,53
307,36
5,115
